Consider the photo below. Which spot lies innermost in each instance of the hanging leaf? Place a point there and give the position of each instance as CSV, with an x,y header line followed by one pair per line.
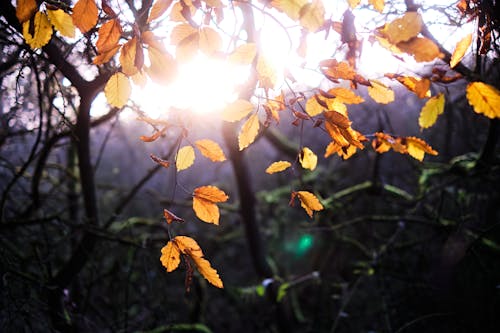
x,y
117,90
419,86
127,57
417,148
237,110
377,4
249,131
266,74
243,54
403,28
422,49
42,31
308,201
313,108
278,167
25,10
354,3
106,56
204,203
210,274
85,15
333,70
308,159
462,47
343,151
150,39
109,35
211,150
485,99
346,96
312,15
185,158
181,32
209,41
380,92
163,69
170,256
62,22
153,137
158,9
431,110
289,7
171,217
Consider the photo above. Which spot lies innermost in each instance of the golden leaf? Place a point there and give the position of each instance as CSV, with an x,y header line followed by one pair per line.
x,y
353,3
176,12
345,152
460,49
158,9
210,193
171,217
420,86
243,54
484,98
335,105
185,158
181,32
337,70
209,273
337,119
384,142
109,35
211,150
403,28
117,90
188,246
266,73
377,4
163,67
431,110
417,148
62,21
237,110
290,7
346,96
85,15
170,256
312,15
308,159
278,167
106,56
422,49
127,57
308,201
204,199
25,10
249,131
209,41
42,31
313,108
380,92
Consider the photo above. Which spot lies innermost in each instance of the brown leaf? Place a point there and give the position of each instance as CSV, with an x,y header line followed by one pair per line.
x,y
171,217
85,15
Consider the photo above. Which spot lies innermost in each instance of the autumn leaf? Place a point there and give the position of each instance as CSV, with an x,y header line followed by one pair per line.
x,y
209,41
171,217
380,92
189,246
109,35
41,33
117,90
243,54
343,151
170,256
127,57
333,69
417,148
308,201
158,9
312,15
308,159
266,73
154,136
62,22
211,150
249,131
150,39
209,273
185,158
85,15
460,49
278,167
337,119
422,49
290,7
419,86
160,161
313,108
237,110
484,98
431,110
346,96
377,4
181,32
354,3
163,67
25,10
384,142
403,28
204,203
106,56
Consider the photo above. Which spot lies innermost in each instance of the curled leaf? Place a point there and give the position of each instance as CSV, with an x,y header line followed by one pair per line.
x,y
308,201
160,161
278,167
460,49
171,217
308,159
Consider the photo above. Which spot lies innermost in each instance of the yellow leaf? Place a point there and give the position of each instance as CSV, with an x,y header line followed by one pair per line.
x,y
346,96
103,58
85,15
163,67
266,73
403,28
417,148
170,256
185,158
210,149
344,152
62,21
422,49
290,7
158,9
237,110
42,31
460,49
181,32
308,159
109,35
380,92
278,167
243,54
117,90
209,41
210,193
353,3
431,110
312,15
377,4
485,99
420,86
249,131
25,10
204,199
210,274
313,108
309,202
335,105
188,246
127,57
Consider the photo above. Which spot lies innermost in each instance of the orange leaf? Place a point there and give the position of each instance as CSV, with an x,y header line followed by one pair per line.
x,y
85,15
188,246
211,150
417,148
420,86
460,49
211,193
160,161
337,119
278,167
127,57
210,274
377,4
181,32
422,49
484,98
204,199
346,96
163,67
185,158
158,9
117,90
403,28
153,137
103,58
344,151
109,35
249,131
171,217
308,201
337,70
308,159
25,10
170,256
